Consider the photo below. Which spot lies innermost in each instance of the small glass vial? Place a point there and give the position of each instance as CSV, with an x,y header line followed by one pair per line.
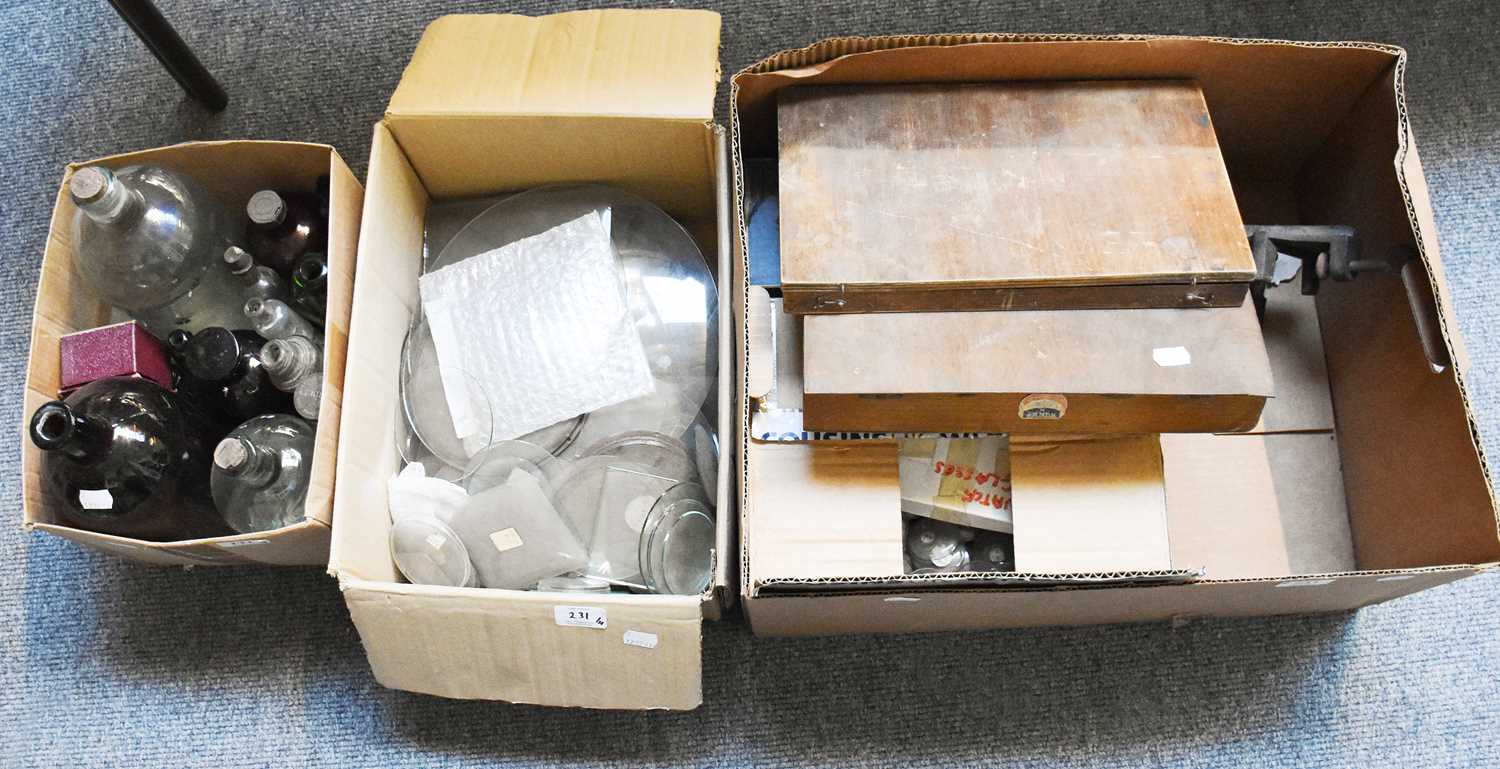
x,y
275,319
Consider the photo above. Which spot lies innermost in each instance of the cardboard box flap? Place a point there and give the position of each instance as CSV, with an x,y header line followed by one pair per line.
x,y
617,63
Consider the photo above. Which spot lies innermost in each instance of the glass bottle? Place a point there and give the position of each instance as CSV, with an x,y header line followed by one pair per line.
x,y
256,280
148,241
284,227
125,456
310,287
291,360
224,371
275,319
307,399
260,473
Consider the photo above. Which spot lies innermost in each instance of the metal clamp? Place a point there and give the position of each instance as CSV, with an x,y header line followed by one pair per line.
x,y
1333,251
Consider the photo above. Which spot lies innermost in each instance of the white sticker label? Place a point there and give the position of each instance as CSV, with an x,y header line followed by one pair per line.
x,y
505,539
643,640
580,616
243,543
1304,582
1167,357
95,499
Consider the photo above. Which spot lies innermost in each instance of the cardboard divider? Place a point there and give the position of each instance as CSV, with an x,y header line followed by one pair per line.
x,y
1265,514
229,171
466,132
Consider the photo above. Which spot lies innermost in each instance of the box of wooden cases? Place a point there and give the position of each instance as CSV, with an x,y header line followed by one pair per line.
x,y
1356,480
230,171
618,97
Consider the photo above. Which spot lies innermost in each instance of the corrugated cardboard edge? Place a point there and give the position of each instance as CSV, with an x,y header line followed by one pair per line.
x,y
304,543
1408,171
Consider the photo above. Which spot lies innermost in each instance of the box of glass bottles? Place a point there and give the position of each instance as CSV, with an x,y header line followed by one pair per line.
x,y
167,240
569,564
1361,481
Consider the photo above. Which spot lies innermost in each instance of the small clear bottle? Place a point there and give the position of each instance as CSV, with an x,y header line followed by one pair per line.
x,y
256,280
284,227
148,241
291,360
260,473
275,319
307,399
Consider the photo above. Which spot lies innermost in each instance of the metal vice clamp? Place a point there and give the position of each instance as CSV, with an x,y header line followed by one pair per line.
x,y
1333,251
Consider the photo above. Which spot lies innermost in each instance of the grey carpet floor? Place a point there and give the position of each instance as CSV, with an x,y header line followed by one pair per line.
x,y
108,664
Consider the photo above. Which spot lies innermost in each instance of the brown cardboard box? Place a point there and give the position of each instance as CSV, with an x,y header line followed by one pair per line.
x,y
491,104
231,171
1362,482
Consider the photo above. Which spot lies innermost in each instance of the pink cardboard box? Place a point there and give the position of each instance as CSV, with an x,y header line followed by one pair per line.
x,y
124,349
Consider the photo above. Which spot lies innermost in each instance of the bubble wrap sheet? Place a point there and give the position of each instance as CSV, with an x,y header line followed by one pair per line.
x,y
535,332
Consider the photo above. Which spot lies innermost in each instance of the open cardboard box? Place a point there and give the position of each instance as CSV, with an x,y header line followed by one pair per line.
x,y
494,104
231,171
1363,481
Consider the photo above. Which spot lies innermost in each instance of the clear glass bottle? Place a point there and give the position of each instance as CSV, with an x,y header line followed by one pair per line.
x,y
291,360
148,241
224,372
125,456
275,319
260,473
310,287
284,227
256,280
307,399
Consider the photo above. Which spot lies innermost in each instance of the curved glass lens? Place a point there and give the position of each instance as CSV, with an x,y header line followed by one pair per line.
x,y
428,552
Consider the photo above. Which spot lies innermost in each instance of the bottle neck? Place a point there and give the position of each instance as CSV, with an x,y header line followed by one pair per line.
x,y
251,464
56,427
117,204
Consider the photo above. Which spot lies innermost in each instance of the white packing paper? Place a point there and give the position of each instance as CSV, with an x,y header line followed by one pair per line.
x,y
535,332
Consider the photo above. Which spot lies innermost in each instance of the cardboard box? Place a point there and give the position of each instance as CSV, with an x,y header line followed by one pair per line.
x,y
494,104
934,197
1363,480
230,171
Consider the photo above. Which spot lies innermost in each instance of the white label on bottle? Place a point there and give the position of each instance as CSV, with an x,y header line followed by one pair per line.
x,y
580,616
95,499
1304,583
638,638
1168,357
505,539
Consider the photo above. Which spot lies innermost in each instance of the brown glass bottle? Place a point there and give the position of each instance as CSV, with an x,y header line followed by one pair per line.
x,y
125,456
222,371
283,228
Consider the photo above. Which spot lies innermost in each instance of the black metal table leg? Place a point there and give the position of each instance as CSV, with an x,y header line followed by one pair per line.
x,y
172,52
